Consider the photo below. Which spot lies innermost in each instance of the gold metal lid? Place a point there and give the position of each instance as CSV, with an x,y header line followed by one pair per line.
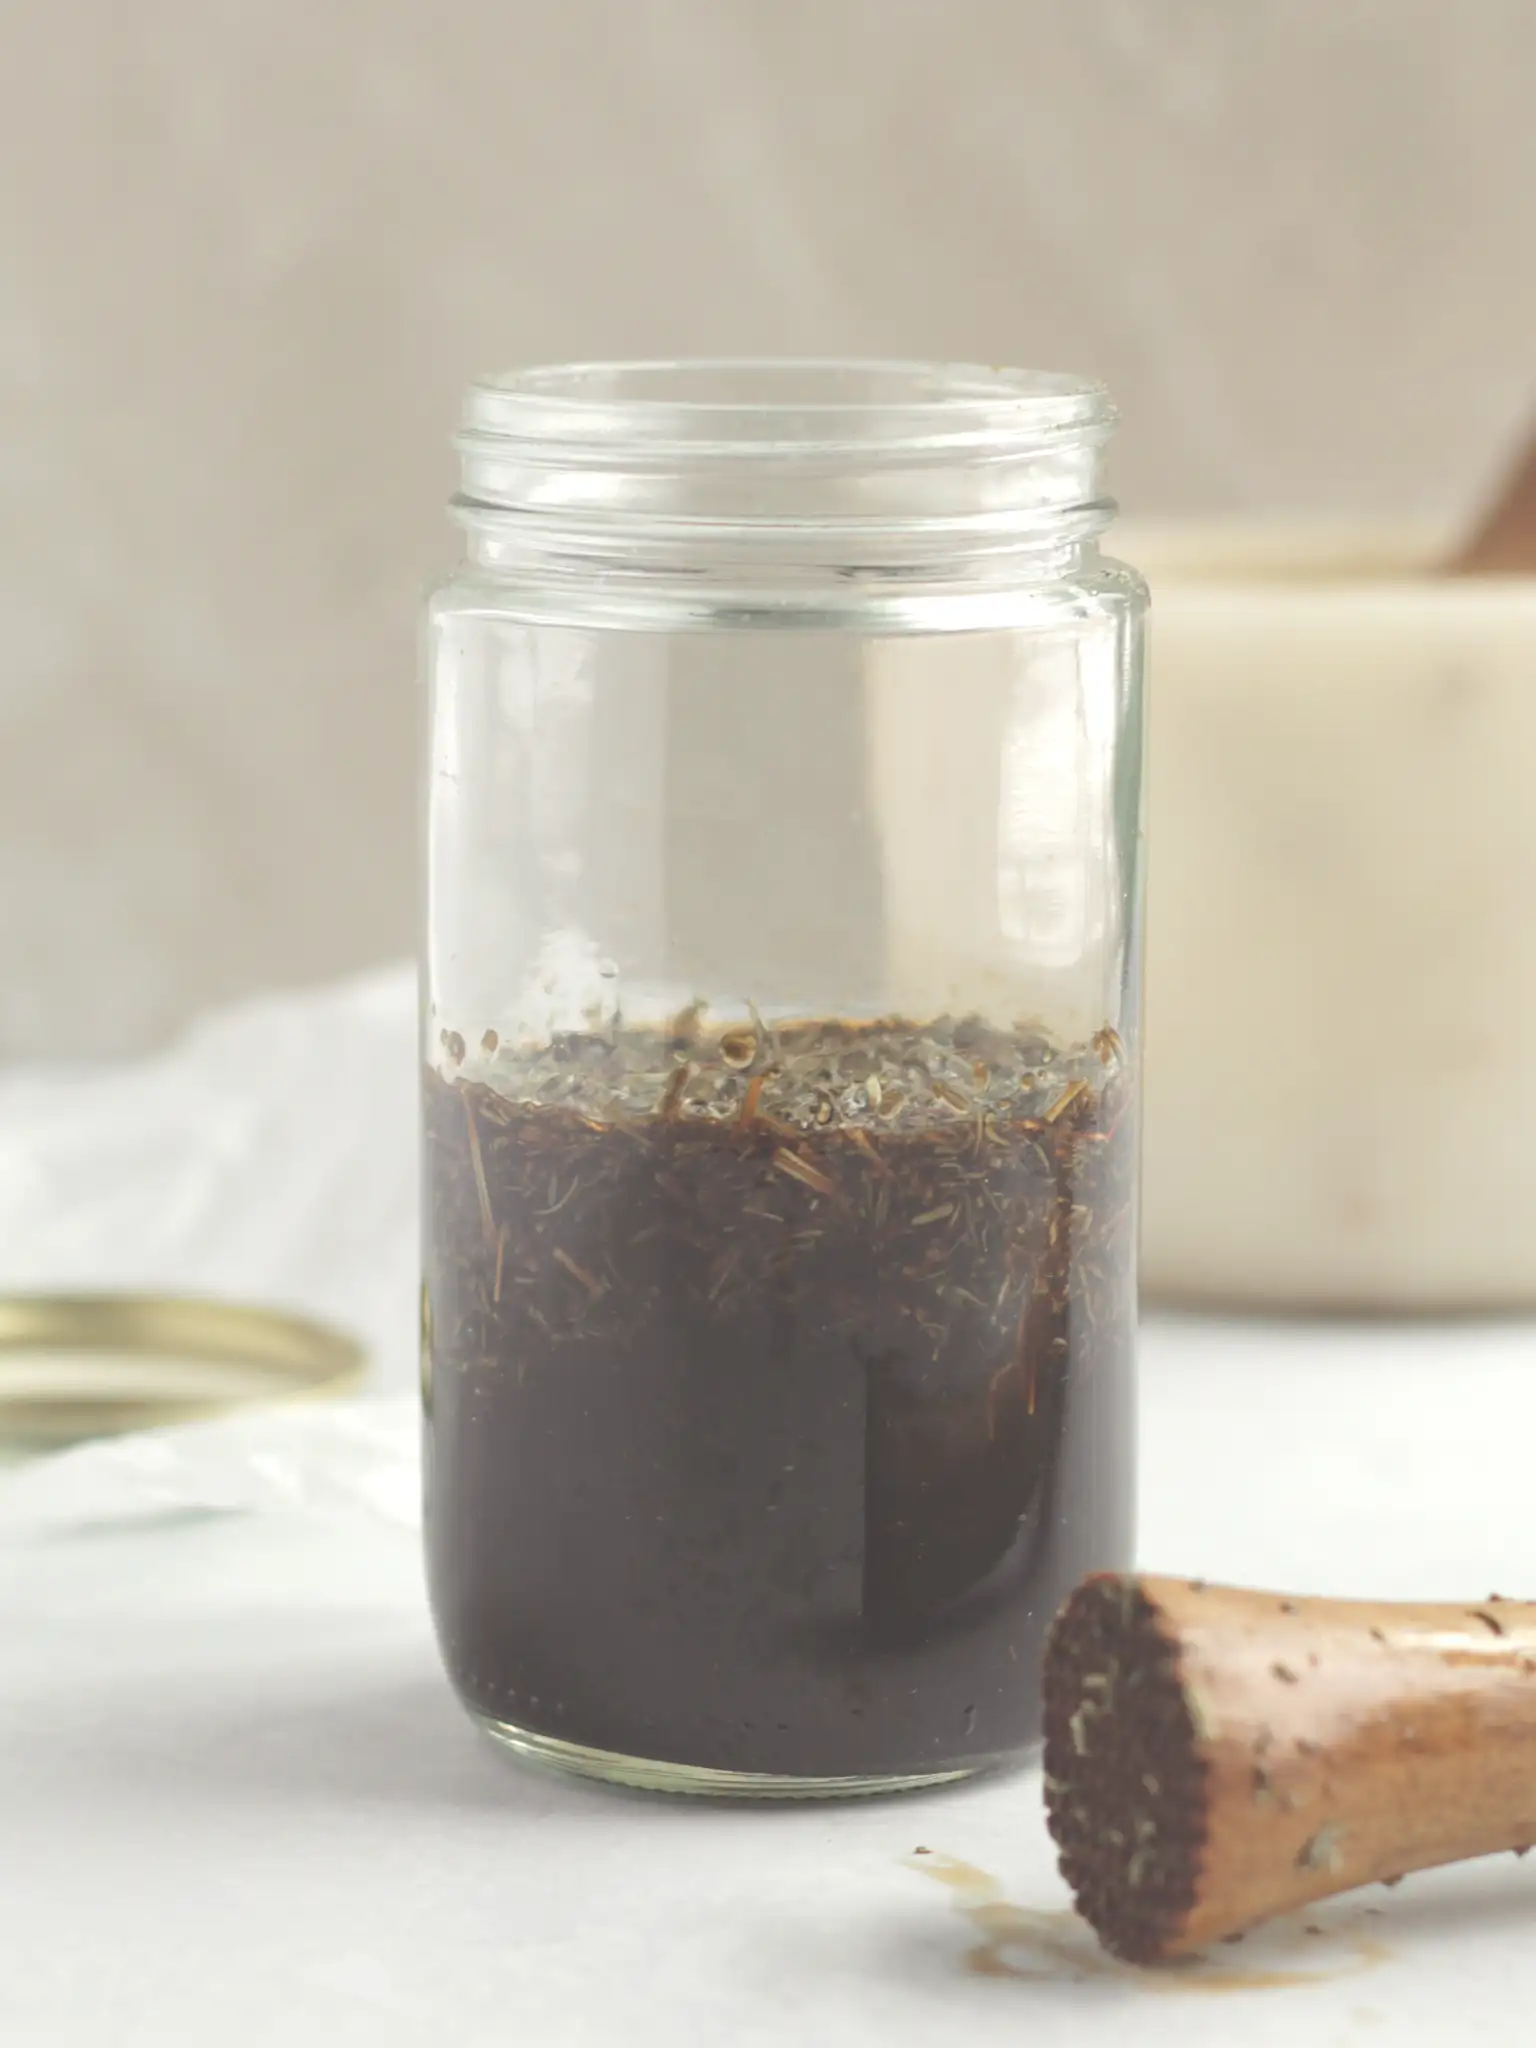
x,y
79,1365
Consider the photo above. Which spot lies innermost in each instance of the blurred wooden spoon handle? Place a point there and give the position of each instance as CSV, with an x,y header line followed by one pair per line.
x,y
1504,541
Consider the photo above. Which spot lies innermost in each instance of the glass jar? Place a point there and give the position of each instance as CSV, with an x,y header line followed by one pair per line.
x,y
780,1065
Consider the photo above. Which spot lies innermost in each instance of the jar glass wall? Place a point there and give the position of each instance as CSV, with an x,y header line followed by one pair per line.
x,y
780,1035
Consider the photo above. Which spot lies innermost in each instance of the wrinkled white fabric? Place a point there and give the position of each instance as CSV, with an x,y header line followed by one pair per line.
x,y
268,1157
345,1457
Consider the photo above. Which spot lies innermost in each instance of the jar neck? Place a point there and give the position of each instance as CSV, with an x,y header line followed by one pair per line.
x,y
778,480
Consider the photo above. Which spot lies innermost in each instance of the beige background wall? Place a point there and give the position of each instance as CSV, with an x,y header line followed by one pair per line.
x,y
249,249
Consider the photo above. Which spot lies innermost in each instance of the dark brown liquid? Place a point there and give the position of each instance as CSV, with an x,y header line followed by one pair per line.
x,y
764,1435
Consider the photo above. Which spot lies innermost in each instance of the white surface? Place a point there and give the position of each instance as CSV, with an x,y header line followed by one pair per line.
x,y
237,1803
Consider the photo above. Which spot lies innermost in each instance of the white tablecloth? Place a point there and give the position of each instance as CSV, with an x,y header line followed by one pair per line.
x,y
238,1805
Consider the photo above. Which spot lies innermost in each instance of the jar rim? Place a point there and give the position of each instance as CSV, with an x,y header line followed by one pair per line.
x,y
770,479
729,408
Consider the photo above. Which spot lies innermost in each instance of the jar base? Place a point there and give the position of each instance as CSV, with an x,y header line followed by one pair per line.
x,y
644,1774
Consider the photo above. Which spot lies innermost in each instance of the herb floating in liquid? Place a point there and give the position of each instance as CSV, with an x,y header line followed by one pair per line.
x,y
930,1223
